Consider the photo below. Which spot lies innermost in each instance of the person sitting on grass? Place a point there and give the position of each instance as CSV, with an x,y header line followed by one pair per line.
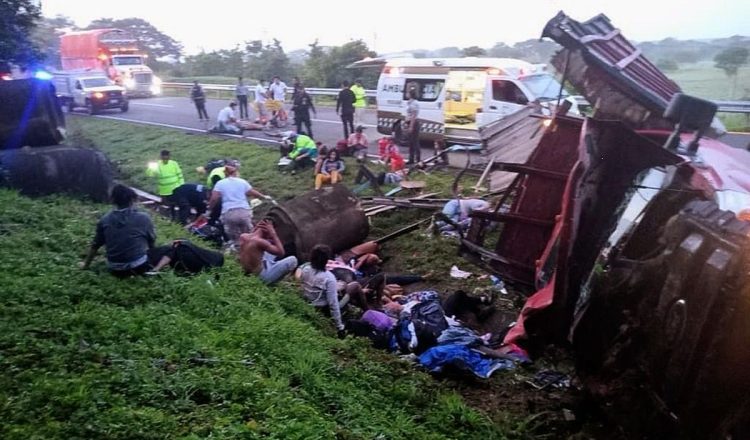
x,y
330,170
319,286
259,251
127,234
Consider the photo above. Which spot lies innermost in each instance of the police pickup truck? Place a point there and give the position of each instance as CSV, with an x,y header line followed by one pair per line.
x,y
90,90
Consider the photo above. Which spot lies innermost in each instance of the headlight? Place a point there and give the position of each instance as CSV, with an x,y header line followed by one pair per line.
x,y
157,80
156,89
98,95
129,83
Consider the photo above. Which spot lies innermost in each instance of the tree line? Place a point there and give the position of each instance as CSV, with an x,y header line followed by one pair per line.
x,y
27,37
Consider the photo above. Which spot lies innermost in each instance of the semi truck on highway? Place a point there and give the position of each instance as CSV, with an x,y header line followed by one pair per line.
x,y
113,52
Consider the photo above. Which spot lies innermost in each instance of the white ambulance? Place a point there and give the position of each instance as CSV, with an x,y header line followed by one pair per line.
x,y
459,95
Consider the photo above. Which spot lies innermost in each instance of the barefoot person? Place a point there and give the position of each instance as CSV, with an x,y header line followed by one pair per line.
x,y
259,251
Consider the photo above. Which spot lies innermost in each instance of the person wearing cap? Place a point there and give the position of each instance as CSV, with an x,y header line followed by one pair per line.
x,y
304,151
357,141
360,101
226,121
232,193
168,176
301,107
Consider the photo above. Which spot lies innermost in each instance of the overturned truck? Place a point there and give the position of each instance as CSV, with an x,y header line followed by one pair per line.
x,y
632,231
31,127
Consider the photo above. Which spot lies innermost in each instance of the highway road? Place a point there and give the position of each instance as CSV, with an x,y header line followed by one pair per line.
x,y
177,112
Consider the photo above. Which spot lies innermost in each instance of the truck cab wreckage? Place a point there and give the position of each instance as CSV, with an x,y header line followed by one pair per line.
x,y
632,231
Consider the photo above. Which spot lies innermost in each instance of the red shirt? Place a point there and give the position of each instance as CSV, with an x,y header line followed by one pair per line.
x,y
397,161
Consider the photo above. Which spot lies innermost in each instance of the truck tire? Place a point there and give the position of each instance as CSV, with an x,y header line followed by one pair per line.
x,y
125,107
71,105
679,314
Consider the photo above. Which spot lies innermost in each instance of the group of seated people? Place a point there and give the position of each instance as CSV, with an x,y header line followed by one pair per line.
x,y
299,151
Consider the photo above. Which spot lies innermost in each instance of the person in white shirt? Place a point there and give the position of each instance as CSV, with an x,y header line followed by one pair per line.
x,y
226,121
276,95
260,100
232,192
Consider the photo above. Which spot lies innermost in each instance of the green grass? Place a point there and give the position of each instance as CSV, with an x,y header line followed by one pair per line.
x,y
85,355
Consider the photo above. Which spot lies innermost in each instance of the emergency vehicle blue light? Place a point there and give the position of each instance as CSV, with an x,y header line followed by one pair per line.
x,y
41,74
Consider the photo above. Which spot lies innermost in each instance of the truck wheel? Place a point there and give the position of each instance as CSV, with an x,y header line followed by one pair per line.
x,y
90,108
71,106
124,107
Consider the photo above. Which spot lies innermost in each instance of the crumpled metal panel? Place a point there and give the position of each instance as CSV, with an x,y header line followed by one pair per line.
x,y
613,74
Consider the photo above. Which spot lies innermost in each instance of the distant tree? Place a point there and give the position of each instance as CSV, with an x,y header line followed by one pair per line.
x,y
730,60
328,69
535,51
667,65
156,43
269,61
314,70
447,52
473,51
502,50
46,37
18,18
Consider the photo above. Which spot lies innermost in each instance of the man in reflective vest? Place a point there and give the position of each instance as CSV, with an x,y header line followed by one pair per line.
x,y
360,102
303,152
168,177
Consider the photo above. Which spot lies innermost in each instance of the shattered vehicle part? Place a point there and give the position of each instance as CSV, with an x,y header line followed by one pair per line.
x,y
331,216
31,127
638,256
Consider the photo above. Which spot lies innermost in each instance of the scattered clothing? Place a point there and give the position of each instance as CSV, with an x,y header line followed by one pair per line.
x,y
437,358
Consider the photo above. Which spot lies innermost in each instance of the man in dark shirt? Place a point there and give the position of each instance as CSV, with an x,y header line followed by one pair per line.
x,y
301,107
190,196
345,108
127,233
199,99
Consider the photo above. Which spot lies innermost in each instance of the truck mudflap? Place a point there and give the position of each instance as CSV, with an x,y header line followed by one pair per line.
x,y
664,336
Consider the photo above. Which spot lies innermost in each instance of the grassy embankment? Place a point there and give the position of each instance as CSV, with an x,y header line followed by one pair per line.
x,y
84,355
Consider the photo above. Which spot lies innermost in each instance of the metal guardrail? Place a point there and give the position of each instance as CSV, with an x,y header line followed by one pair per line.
x,y
724,106
315,91
733,106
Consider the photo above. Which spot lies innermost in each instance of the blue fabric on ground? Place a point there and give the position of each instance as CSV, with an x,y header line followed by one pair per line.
x,y
435,358
456,335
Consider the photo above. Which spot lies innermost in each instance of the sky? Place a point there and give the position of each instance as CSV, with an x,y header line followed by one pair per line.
x,y
389,26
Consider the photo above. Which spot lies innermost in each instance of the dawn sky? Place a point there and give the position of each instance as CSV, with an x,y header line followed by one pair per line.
x,y
396,25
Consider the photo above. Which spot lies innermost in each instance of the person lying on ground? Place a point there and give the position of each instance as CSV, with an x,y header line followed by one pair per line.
x,y
259,251
126,233
319,286
360,257
330,170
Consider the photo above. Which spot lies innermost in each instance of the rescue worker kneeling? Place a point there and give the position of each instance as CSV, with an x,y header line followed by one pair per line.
x,y
298,151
